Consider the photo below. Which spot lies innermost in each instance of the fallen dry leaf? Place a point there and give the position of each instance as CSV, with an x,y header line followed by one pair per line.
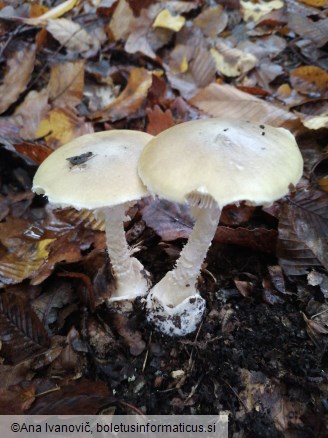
x,y
60,126
232,62
315,3
310,80
315,122
159,120
255,11
72,36
167,21
24,262
305,27
55,12
212,21
66,84
29,113
131,98
303,232
19,69
227,101
121,21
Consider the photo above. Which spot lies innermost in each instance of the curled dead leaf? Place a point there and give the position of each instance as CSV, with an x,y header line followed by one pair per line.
x,y
19,69
131,98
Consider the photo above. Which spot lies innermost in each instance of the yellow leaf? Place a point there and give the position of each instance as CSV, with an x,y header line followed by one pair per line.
x,y
60,126
257,9
184,65
316,122
56,12
168,21
232,62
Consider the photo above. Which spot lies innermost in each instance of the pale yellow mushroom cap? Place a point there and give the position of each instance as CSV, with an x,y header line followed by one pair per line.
x,y
106,175
222,160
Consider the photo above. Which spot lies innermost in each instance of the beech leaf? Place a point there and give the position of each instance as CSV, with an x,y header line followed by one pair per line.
x,y
19,68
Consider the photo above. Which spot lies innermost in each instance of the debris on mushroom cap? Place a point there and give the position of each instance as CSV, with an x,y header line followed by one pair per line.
x,y
94,171
222,161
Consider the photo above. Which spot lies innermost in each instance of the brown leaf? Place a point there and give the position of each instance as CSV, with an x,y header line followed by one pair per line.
x,y
310,80
227,101
190,67
212,21
16,401
159,120
29,113
131,98
122,20
170,220
277,278
65,248
258,239
131,337
244,287
79,397
306,28
66,84
21,331
19,68
303,232
35,152
138,38
72,36
23,261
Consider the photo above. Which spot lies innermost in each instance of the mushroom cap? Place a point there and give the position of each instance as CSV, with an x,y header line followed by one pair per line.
x,y
94,170
222,160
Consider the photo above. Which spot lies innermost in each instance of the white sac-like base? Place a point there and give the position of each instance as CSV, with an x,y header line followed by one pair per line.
x,y
136,286
179,320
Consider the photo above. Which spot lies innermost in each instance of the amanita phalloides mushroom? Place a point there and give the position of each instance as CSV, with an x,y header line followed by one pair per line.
x,y
209,164
99,172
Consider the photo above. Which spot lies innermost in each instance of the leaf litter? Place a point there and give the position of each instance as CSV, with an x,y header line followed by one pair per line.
x,y
80,67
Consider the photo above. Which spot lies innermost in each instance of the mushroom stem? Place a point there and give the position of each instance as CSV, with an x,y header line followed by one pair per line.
x,y
180,283
127,270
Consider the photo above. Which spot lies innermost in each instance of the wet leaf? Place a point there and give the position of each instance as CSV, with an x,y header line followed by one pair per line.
x,y
303,233
79,397
23,260
226,101
131,98
66,84
19,69
258,239
21,331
